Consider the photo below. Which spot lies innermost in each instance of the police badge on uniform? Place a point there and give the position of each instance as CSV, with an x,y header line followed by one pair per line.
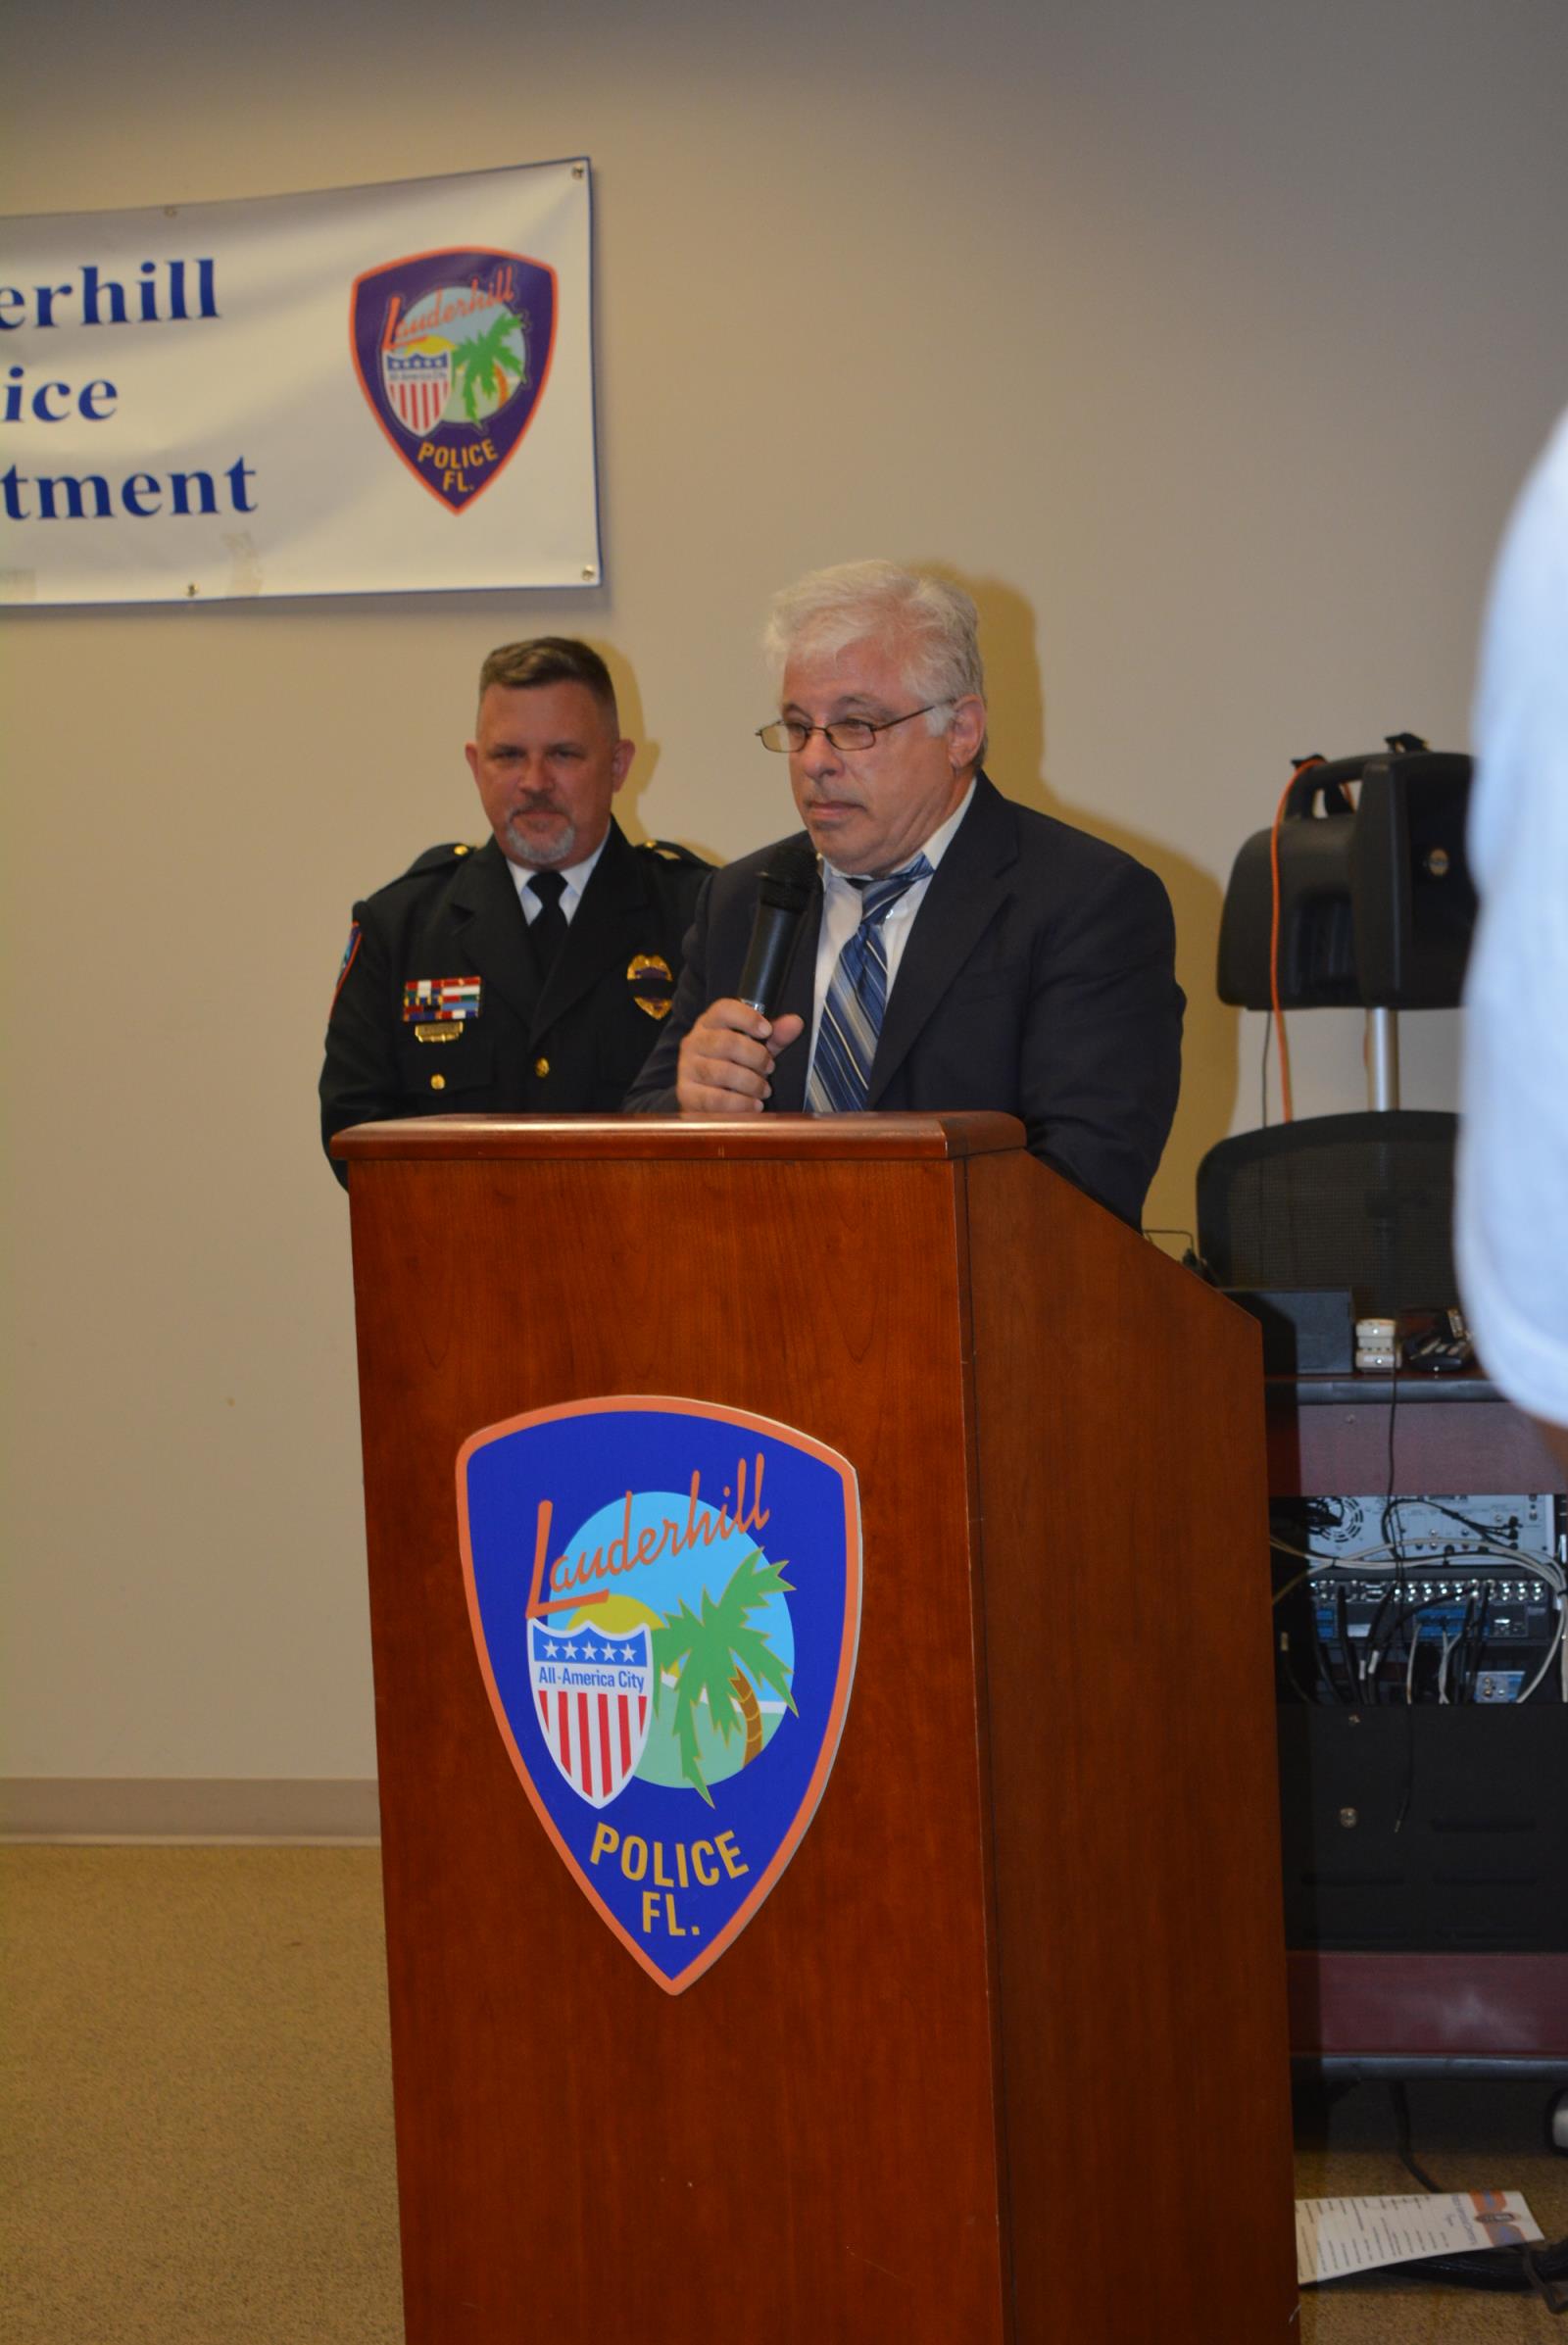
x,y
665,1602
652,983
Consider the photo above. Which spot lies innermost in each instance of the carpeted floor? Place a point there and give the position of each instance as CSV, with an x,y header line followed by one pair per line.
x,y
1468,2137
198,2125
198,2138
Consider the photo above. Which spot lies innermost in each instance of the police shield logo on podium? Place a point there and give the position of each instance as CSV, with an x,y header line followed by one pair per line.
x,y
452,350
665,1602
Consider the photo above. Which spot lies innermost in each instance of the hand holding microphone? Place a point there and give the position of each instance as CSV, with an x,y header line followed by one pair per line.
x,y
726,1061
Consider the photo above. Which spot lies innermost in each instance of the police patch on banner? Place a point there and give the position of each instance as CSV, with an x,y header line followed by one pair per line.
x,y
665,1599
451,349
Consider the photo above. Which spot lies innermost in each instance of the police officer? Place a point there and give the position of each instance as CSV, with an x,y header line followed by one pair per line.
x,y
529,974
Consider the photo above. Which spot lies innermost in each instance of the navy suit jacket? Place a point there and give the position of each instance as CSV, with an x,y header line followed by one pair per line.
x,y
1039,979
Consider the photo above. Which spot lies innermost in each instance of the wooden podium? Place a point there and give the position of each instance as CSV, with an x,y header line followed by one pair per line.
x,y
1003,2056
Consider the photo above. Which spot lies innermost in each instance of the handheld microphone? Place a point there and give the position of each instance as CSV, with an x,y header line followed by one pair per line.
x,y
782,895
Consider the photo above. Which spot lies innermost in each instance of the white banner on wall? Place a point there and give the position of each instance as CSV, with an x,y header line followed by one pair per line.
x,y
371,390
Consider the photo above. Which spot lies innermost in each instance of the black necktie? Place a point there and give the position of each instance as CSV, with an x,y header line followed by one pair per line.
x,y
547,930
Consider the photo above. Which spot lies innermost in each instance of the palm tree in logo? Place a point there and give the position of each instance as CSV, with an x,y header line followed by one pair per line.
x,y
485,365
720,1655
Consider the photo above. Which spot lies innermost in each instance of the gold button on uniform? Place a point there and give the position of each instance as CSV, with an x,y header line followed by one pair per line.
x,y
438,1083
541,1066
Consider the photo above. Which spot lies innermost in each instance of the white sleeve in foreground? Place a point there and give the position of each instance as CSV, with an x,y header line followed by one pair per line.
x,y
1512,1215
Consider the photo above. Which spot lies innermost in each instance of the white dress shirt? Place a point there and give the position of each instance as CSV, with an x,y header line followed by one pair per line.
x,y
841,913
575,875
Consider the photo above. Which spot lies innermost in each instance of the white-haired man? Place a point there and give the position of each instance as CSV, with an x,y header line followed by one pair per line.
x,y
962,952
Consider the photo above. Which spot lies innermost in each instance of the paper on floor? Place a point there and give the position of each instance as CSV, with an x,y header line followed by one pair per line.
x,y
1336,2236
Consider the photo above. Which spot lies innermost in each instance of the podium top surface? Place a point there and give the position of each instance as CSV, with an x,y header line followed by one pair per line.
x,y
679,1139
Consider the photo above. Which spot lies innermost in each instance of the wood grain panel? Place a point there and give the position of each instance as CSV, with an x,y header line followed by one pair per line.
x,y
1036,1915
789,1139
1132,1747
810,2128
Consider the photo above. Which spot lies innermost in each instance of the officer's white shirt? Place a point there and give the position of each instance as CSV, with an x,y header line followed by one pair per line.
x,y
575,875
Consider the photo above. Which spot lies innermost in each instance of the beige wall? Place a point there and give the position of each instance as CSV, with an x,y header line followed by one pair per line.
x,y
1207,343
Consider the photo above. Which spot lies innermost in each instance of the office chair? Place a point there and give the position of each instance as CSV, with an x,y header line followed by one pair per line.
x,y
1364,1201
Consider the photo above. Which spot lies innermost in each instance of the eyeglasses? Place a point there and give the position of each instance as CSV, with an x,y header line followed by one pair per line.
x,y
848,732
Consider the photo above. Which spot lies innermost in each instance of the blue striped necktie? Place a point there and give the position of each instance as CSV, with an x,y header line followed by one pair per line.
x,y
857,998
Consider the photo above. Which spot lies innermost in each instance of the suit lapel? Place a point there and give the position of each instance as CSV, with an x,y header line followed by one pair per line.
x,y
972,880
491,931
800,994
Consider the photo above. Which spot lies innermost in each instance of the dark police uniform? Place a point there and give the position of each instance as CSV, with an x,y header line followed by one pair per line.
x,y
441,1010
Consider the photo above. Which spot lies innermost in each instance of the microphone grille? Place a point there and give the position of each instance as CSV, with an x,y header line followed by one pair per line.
x,y
789,877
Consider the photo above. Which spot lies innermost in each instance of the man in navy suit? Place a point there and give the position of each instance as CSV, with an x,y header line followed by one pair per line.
x,y
1024,966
